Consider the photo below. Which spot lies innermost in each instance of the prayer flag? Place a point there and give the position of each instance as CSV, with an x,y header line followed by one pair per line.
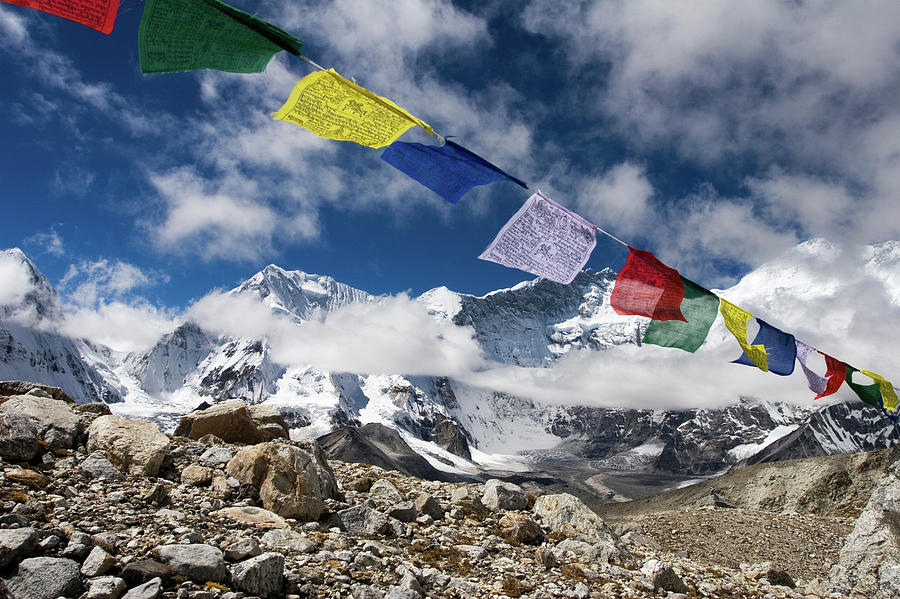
x,y
780,348
835,372
96,14
647,287
699,309
545,239
880,394
184,35
334,108
449,170
736,320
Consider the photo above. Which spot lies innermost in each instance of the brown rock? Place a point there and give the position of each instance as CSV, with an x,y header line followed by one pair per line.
x,y
521,528
198,476
26,477
229,421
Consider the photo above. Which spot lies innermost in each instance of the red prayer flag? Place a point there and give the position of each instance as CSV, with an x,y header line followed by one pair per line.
x,y
96,14
647,287
835,374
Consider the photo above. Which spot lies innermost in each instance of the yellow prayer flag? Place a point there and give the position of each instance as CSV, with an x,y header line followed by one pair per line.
x,y
334,108
736,320
888,394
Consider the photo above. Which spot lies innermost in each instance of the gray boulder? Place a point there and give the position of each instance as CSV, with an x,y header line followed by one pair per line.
x,y
229,421
241,550
293,479
363,521
198,562
427,505
566,514
18,437
106,587
404,511
149,590
45,578
288,541
384,491
261,576
57,424
15,544
869,563
133,446
499,495
663,576
97,563
97,466
216,456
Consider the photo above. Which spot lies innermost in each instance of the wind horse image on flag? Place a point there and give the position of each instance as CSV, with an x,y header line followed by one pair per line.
x,y
449,170
96,14
332,107
184,35
545,239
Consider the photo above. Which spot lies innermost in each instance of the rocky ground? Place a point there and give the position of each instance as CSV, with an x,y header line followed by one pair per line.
x,y
101,507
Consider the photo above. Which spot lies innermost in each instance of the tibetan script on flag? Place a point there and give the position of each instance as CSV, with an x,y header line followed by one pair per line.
x,y
184,35
699,309
449,170
545,239
647,287
332,107
96,14
880,394
835,372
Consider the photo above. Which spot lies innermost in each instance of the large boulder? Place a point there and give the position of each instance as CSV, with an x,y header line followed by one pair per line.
x,y
261,576
133,446
269,422
567,515
869,564
500,495
16,543
198,562
45,578
18,437
57,424
229,421
293,479
22,388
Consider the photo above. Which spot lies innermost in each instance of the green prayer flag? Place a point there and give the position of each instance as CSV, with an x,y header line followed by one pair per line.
x,y
184,35
699,308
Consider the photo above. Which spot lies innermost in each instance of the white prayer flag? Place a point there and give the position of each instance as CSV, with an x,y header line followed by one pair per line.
x,y
545,239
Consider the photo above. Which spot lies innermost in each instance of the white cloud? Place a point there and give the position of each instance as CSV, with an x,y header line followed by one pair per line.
x,y
87,283
15,280
122,326
619,197
48,242
392,335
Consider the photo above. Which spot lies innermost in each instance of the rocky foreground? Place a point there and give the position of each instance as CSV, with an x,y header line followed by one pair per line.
x,y
103,507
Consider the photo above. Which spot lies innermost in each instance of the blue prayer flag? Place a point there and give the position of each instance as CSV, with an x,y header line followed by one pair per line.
x,y
449,170
781,349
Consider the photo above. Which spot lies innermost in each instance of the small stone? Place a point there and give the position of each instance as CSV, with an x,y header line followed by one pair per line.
x,y
427,505
404,512
545,557
107,540
241,550
472,552
287,541
663,576
149,590
216,456
253,515
198,562
363,521
15,544
98,562
500,495
76,551
106,587
145,570
98,466
521,528
29,478
198,476
385,492
261,575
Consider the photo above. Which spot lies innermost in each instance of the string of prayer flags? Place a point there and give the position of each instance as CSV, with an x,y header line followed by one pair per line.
x,y
184,35
880,394
545,239
96,14
699,308
647,287
780,348
835,372
332,107
736,320
449,170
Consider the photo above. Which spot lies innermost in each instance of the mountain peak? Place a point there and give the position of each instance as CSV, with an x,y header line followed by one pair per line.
x,y
41,300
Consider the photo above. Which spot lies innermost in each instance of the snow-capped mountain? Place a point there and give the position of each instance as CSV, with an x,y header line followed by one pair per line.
x,y
454,422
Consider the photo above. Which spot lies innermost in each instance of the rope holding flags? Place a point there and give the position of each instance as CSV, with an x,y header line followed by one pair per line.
x,y
542,237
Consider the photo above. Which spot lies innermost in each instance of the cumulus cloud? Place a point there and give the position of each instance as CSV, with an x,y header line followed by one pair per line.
x,y
101,304
15,280
620,196
392,335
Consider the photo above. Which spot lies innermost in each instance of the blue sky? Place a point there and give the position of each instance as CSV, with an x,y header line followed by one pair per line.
x,y
715,134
